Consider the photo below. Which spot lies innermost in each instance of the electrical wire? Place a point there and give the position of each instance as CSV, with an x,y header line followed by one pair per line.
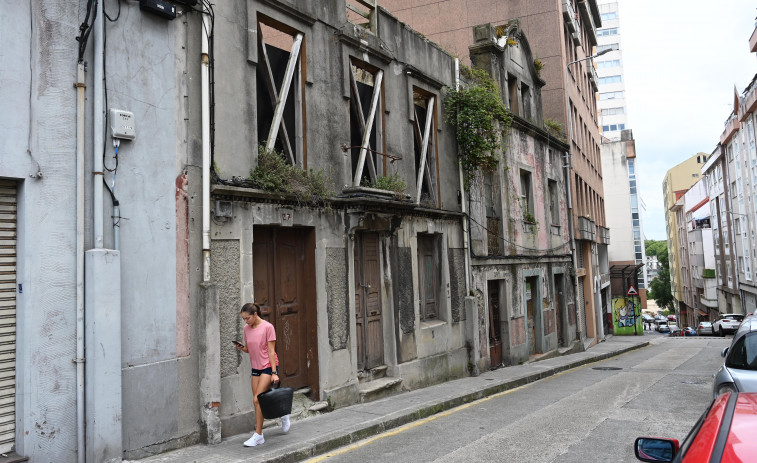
x,y
117,16
515,244
86,28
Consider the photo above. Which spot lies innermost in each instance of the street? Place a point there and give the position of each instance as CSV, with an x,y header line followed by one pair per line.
x,y
591,413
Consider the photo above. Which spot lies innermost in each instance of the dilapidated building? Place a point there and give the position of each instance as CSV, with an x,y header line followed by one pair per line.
x,y
289,152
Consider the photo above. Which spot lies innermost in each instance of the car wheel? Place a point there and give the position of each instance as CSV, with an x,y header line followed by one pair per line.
x,y
720,332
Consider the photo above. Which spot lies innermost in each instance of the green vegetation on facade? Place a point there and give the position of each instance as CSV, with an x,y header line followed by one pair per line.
x,y
480,118
275,175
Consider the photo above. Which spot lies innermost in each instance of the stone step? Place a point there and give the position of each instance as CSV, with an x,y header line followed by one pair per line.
x,y
372,374
379,388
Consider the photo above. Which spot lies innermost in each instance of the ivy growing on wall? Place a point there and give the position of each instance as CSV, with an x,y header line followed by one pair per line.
x,y
480,119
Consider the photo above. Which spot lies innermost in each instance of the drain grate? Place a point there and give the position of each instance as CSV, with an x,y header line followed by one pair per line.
x,y
607,368
692,381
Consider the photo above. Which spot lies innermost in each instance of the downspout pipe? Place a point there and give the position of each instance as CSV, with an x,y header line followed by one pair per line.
x,y
99,124
205,84
462,200
80,180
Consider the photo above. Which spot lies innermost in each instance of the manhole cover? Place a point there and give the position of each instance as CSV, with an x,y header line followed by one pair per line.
x,y
606,368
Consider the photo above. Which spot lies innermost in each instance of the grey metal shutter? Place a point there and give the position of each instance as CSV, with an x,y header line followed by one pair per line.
x,y
7,314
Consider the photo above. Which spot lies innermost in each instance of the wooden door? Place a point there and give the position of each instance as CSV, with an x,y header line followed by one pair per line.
x,y
284,296
531,314
562,329
370,337
495,331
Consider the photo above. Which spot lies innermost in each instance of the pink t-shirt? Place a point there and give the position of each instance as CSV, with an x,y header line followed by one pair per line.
x,y
256,340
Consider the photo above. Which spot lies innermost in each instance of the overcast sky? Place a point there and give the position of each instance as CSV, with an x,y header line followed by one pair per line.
x,y
681,60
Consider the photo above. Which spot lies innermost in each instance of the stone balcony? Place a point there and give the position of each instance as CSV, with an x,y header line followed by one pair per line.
x,y
586,229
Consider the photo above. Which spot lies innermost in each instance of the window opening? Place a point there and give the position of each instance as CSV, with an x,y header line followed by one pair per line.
x,y
428,272
526,201
362,13
365,128
279,101
424,128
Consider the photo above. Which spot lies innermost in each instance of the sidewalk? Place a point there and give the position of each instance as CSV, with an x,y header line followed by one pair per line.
x,y
315,436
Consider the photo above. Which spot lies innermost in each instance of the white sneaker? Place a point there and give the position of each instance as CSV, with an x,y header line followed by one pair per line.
x,y
285,423
256,439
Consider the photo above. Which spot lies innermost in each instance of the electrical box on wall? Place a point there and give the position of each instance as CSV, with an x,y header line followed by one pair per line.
x,y
158,7
122,124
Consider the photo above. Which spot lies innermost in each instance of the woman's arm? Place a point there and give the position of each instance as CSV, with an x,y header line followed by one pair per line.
x,y
272,357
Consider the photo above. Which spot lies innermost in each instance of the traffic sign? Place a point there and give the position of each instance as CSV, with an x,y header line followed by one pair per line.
x,y
632,291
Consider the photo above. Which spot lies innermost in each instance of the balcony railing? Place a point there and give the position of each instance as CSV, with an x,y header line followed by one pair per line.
x,y
572,21
586,229
604,235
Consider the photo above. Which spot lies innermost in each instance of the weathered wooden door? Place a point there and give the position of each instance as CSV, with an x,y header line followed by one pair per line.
x,y
495,333
428,272
285,298
562,329
531,307
370,338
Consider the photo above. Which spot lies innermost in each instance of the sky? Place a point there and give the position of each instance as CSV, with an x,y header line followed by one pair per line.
x,y
681,61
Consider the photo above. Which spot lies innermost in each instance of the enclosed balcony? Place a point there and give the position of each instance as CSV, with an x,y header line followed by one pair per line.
x,y
586,229
572,21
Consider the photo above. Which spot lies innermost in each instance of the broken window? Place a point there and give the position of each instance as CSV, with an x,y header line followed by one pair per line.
x,y
366,123
363,13
512,92
280,104
526,196
426,166
492,214
554,204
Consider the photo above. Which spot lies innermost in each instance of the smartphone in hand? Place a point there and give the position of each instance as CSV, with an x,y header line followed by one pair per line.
x,y
237,343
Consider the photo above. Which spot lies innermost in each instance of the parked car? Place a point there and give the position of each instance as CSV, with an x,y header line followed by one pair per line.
x,y
672,318
739,370
725,433
689,331
675,330
727,323
662,327
704,328
647,318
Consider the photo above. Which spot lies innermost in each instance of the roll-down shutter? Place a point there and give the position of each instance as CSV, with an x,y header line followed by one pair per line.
x,y
7,314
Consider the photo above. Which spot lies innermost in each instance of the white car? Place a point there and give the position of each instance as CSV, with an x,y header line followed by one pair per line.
x,y
727,323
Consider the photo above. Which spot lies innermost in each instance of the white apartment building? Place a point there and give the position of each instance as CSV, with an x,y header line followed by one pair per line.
x,y
612,93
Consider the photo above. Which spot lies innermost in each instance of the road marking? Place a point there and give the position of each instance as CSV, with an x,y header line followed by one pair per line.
x,y
449,412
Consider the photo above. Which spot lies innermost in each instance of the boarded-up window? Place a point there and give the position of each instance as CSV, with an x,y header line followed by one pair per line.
x,y
366,123
426,165
280,104
428,273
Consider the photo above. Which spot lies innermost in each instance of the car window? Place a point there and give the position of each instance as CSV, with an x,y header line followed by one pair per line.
x,y
743,354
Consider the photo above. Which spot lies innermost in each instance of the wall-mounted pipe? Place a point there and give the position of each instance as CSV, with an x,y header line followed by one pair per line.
x,y
462,200
80,179
205,83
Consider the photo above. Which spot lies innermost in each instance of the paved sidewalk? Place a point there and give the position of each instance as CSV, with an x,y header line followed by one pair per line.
x,y
320,434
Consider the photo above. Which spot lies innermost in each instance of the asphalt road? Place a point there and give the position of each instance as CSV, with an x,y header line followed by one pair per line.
x,y
589,414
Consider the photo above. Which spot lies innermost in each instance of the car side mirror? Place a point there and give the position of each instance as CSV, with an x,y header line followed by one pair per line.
x,y
655,449
724,352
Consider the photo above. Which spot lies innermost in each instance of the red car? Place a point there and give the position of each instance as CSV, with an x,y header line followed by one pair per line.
x,y
725,432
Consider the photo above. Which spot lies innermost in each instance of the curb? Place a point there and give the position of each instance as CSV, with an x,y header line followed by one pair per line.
x,y
315,448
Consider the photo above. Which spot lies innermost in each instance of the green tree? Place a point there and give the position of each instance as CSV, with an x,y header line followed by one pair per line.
x,y
660,286
655,247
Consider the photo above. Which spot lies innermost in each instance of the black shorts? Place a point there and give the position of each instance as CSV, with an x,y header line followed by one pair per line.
x,y
264,371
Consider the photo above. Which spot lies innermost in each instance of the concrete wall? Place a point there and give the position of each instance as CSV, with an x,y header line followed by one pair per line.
x,y
616,185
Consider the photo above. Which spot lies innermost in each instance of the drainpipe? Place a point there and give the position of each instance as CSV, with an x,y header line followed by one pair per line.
x,y
568,166
80,179
205,149
462,200
99,124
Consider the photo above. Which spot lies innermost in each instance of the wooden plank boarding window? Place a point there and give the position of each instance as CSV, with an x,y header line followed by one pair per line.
x,y
366,121
428,273
426,166
8,211
280,102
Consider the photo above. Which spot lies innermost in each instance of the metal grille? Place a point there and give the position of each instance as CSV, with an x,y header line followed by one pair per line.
x,y
7,314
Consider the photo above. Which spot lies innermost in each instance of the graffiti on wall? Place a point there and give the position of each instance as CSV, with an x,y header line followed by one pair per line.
x,y
626,315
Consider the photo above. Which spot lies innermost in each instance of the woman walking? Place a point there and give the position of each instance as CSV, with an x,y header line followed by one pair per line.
x,y
260,343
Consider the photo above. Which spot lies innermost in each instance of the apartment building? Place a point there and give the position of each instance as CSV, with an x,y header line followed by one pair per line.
x,y
612,89
676,183
562,35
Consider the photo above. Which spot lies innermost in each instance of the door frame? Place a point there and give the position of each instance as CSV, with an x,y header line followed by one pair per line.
x,y
309,299
538,310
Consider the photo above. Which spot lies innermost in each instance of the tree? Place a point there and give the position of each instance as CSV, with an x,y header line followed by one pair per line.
x,y
660,287
655,247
